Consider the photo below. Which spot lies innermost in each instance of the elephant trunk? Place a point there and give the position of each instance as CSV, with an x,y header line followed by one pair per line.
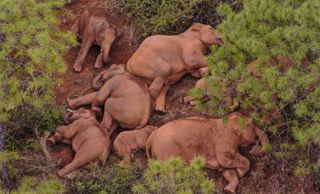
x,y
262,136
97,81
105,49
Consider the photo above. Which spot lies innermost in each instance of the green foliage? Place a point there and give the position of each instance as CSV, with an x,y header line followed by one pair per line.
x,y
27,124
282,91
114,179
30,185
6,156
31,53
169,16
174,176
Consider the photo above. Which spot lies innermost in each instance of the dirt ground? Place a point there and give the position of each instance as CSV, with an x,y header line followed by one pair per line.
x,y
266,174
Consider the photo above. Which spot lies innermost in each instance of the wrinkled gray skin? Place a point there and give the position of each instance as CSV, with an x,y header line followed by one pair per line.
x,y
93,27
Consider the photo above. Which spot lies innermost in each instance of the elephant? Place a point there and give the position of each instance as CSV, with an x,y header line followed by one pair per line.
x,y
230,102
126,99
93,27
127,142
162,60
89,139
217,140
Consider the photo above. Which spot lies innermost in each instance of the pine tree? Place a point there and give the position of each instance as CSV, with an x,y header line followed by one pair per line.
x,y
281,89
31,55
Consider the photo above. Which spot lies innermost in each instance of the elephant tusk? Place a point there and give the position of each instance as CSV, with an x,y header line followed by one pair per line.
x,y
69,110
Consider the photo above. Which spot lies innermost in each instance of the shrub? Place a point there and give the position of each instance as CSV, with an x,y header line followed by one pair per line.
x,y
31,54
169,16
114,179
28,123
281,91
174,176
30,185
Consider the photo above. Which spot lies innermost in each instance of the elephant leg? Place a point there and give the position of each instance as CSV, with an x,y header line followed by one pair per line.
x,y
126,161
231,176
213,164
114,126
88,152
156,86
234,160
99,61
85,46
75,27
161,99
200,72
82,100
107,120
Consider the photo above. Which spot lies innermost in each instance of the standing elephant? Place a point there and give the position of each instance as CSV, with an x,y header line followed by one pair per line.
x,y
93,27
162,60
89,139
126,100
214,139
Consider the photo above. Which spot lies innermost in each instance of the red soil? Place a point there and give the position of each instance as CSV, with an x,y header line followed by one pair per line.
x,y
265,172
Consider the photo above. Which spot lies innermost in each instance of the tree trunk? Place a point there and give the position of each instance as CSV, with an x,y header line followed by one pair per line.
x,y
5,177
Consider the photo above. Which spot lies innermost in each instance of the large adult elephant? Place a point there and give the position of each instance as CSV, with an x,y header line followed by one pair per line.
x,y
214,139
125,98
162,59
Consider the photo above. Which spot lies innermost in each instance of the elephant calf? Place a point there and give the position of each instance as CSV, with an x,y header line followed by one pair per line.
x,y
125,98
89,139
214,139
93,27
127,142
231,102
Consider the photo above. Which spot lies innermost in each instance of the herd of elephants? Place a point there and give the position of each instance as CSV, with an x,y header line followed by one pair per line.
x,y
126,95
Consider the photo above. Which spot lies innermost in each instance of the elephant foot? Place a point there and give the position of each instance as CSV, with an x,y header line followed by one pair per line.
x,y
229,190
77,68
72,175
71,104
240,172
98,65
50,142
160,112
160,109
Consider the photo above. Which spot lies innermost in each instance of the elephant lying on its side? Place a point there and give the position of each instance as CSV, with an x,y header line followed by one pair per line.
x,y
163,60
214,139
230,102
89,139
126,100
93,27
128,142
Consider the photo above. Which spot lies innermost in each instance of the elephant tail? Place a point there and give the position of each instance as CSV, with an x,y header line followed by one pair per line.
x,y
149,147
262,136
97,81
75,27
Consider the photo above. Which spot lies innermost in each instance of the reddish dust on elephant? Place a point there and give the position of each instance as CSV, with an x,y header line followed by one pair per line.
x,y
125,99
128,142
93,27
163,60
215,139
89,139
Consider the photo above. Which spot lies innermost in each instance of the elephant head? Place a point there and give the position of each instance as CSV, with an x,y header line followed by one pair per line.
x,y
107,33
247,132
107,74
205,33
82,113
